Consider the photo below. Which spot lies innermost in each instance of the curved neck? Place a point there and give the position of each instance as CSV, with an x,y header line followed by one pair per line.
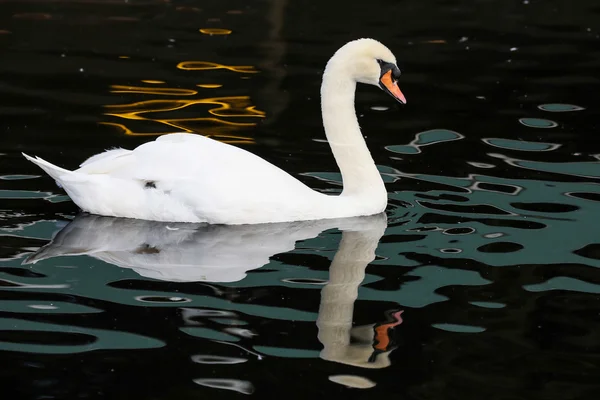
x,y
359,173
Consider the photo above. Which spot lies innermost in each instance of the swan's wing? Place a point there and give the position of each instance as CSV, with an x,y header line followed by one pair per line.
x,y
180,138
192,175
105,158
118,161
181,156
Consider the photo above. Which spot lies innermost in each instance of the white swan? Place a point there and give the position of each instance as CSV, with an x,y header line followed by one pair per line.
x,y
190,178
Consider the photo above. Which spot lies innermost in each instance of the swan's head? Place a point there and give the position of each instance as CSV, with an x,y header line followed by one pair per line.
x,y
369,61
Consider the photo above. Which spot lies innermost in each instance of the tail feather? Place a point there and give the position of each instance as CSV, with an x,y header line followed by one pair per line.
x,y
51,250
51,169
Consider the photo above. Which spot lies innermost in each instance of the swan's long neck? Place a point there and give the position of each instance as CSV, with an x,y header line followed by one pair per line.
x,y
359,173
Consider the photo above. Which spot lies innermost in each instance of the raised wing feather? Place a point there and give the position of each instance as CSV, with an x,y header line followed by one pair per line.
x,y
107,156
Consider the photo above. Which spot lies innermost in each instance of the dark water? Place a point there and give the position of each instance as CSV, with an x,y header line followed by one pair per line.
x,y
485,282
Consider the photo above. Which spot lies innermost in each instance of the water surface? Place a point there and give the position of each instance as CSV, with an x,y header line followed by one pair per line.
x,y
480,281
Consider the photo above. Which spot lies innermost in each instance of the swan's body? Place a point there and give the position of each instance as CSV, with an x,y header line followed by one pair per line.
x,y
191,178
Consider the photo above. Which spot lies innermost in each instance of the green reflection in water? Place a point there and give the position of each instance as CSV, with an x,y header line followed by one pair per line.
x,y
45,307
545,228
487,304
421,293
581,169
436,136
24,194
287,352
459,328
564,283
59,199
403,149
538,123
206,333
387,174
521,145
105,339
37,230
426,138
557,107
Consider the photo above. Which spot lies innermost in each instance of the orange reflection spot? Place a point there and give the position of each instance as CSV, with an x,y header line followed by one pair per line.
x,y
124,57
151,81
209,85
382,337
215,31
206,65
147,90
4,32
436,41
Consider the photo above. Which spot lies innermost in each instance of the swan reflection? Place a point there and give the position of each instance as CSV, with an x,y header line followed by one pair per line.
x,y
184,252
367,346
187,252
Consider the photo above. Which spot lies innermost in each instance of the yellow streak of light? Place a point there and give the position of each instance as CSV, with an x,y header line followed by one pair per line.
x,y
209,85
215,31
152,81
238,105
147,90
226,107
206,65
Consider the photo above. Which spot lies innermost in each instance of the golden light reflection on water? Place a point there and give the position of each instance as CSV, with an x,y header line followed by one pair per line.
x,y
152,81
215,31
176,111
205,66
152,90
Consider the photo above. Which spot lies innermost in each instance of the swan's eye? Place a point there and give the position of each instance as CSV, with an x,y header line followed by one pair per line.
x,y
387,66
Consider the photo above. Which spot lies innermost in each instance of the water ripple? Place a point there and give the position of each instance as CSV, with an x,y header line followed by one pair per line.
x,y
564,283
100,339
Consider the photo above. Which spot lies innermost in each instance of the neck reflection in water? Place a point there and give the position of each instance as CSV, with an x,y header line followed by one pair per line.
x,y
184,252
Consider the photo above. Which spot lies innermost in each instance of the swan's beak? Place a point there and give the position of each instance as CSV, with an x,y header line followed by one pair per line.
x,y
391,87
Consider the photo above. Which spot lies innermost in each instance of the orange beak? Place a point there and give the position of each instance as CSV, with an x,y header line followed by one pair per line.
x,y
391,86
